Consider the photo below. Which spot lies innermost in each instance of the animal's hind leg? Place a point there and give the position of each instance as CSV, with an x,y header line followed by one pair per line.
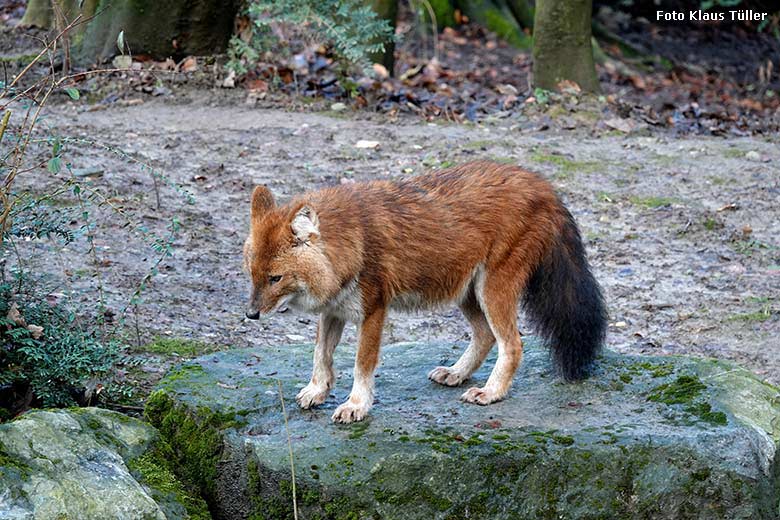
x,y
499,303
482,340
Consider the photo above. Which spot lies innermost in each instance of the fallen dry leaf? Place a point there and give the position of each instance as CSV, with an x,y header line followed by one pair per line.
x,y
568,87
35,331
188,65
230,80
380,70
367,144
122,62
257,85
622,125
15,316
506,90
168,64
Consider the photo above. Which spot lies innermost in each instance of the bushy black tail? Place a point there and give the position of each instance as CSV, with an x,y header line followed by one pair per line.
x,y
564,302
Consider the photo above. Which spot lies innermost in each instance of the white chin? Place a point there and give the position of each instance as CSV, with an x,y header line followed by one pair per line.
x,y
305,302
283,301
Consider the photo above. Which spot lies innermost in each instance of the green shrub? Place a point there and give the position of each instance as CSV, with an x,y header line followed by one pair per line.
x,y
64,362
350,27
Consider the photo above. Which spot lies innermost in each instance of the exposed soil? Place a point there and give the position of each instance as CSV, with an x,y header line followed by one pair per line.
x,y
682,233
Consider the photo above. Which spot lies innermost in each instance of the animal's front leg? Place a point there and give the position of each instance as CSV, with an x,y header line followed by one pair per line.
x,y
362,396
329,332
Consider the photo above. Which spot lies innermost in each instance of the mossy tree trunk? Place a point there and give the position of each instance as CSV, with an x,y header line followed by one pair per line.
x,y
38,14
444,10
497,16
157,28
562,44
160,28
44,13
509,19
386,10
522,12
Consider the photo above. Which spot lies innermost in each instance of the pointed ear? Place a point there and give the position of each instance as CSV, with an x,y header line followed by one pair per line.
x,y
262,201
305,225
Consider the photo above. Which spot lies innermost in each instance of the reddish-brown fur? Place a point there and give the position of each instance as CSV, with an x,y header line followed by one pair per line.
x,y
471,235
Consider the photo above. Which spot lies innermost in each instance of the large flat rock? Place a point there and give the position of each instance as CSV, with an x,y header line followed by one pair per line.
x,y
646,437
88,463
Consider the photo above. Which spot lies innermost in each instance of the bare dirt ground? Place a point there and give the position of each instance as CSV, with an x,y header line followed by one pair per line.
x,y
682,233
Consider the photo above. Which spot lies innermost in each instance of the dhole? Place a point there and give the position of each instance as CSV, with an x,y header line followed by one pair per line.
x,y
481,235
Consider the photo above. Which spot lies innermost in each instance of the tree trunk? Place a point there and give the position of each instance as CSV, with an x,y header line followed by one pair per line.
x,y
496,16
43,13
523,13
506,18
386,10
38,14
562,44
159,29
444,10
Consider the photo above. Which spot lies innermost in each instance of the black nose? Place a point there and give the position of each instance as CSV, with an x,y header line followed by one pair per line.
x,y
253,315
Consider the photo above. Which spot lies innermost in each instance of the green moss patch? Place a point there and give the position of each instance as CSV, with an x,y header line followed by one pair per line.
x,y
705,413
651,202
177,347
153,469
194,436
9,464
564,164
759,316
682,390
686,390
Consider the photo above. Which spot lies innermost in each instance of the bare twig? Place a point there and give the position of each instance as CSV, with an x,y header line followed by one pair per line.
x,y
76,21
90,234
4,124
289,445
434,27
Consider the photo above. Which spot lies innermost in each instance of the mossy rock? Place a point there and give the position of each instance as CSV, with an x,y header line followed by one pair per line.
x,y
645,437
89,463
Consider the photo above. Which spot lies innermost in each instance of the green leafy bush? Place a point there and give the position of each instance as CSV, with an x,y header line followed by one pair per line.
x,y
350,27
46,349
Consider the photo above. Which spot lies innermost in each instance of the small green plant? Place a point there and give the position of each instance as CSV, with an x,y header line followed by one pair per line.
x,y
542,96
565,164
350,28
240,53
750,247
652,202
711,224
759,316
50,353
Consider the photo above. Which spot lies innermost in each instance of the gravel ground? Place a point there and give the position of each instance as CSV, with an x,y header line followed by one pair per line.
x,y
681,232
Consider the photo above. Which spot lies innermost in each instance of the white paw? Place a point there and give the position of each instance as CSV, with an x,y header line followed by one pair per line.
x,y
446,376
312,395
351,412
481,396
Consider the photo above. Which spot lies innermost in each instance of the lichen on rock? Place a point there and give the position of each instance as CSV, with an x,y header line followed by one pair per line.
x,y
88,463
646,437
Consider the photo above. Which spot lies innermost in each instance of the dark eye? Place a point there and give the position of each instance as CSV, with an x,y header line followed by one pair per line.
x,y
273,279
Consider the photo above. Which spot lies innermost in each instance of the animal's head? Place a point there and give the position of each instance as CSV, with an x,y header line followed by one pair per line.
x,y
284,256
